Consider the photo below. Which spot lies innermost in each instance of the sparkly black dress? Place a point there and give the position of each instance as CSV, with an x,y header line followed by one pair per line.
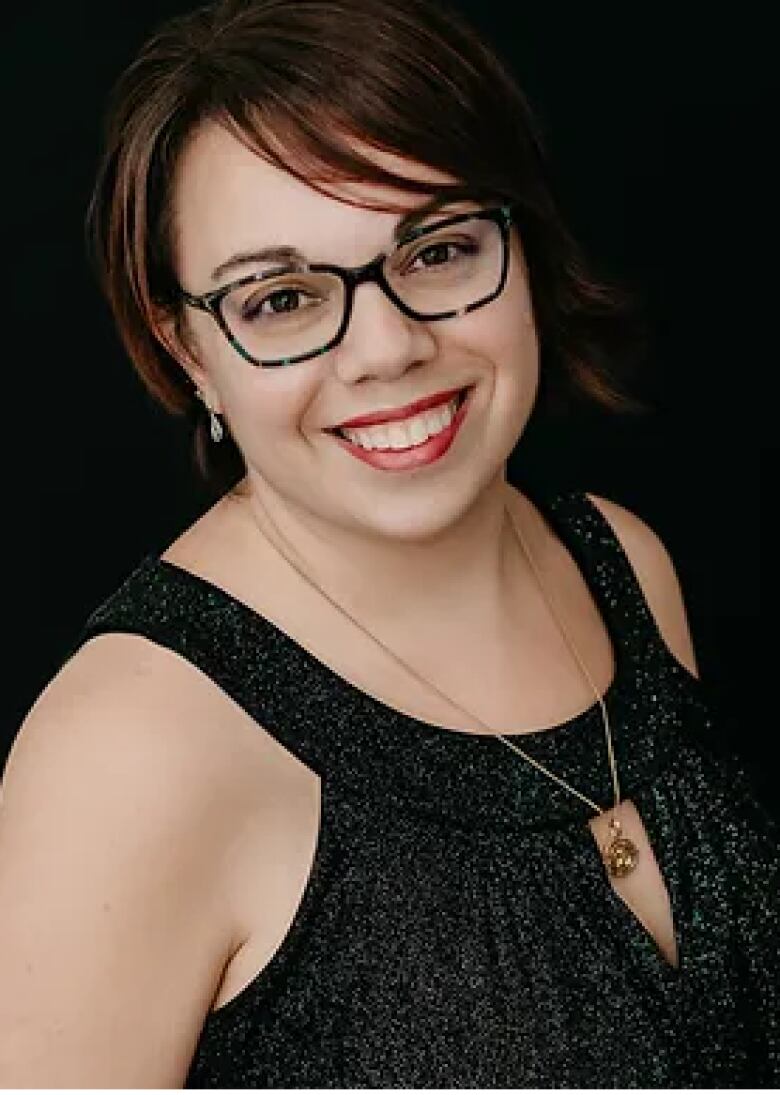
x,y
458,928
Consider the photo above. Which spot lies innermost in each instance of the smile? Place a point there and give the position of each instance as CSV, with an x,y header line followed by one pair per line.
x,y
411,443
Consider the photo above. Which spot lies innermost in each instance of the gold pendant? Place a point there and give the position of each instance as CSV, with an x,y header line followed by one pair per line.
x,y
621,855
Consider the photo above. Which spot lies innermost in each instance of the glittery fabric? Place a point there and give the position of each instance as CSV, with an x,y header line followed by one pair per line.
x,y
458,928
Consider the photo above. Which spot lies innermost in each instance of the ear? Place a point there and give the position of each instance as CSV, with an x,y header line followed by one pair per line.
x,y
168,331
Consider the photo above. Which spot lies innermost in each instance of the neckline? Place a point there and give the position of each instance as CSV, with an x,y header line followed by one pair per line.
x,y
377,707
385,714
385,711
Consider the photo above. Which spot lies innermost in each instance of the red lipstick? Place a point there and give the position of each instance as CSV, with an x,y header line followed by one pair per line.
x,y
417,456
394,415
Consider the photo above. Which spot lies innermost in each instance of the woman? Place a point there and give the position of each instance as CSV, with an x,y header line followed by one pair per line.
x,y
383,773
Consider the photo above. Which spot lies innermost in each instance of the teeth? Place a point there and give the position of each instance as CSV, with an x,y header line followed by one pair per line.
x,y
405,434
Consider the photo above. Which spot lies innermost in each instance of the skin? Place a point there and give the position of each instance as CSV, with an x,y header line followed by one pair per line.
x,y
426,532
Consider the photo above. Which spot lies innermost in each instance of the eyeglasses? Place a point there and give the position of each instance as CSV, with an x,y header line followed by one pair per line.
x,y
295,311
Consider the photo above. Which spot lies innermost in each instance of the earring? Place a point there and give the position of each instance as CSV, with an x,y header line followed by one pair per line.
x,y
215,426
217,433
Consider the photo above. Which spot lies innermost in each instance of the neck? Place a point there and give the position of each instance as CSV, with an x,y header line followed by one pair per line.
x,y
462,575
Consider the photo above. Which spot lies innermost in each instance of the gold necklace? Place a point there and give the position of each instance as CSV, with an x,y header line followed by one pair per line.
x,y
620,854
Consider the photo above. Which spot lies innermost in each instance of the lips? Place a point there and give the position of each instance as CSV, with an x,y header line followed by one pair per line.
x,y
399,413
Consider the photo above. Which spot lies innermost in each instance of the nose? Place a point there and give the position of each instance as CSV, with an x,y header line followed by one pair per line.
x,y
380,341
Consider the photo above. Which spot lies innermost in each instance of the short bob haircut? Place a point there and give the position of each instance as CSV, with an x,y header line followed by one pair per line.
x,y
296,80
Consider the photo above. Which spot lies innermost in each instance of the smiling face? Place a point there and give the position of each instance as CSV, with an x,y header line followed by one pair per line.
x,y
229,200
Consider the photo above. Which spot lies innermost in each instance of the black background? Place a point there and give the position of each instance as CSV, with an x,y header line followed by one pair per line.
x,y
660,126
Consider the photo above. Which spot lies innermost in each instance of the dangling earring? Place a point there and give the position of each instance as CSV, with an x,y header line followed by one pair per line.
x,y
215,426
217,433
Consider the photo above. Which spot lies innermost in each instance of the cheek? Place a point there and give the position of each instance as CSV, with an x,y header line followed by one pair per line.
x,y
504,329
269,403
502,333
252,397
516,337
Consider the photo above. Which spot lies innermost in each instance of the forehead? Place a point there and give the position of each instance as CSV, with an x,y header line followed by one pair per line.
x,y
227,198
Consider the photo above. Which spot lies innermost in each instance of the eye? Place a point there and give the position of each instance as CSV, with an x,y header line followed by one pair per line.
x,y
439,252
435,249
285,300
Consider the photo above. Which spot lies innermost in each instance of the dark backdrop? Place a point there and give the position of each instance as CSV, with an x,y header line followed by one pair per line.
x,y
660,130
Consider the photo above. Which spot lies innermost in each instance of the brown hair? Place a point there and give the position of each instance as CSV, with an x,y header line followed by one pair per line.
x,y
294,79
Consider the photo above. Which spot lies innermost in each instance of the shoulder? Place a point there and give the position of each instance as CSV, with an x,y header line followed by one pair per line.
x,y
114,836
124,708
123,795
656,575
130,732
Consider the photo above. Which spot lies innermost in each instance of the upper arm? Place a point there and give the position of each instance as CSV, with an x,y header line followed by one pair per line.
x,y
112,933
657,577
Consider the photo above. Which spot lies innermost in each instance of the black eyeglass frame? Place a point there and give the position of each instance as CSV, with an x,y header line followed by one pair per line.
x,y
351,277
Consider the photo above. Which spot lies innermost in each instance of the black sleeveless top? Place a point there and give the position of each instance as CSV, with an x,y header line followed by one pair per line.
x,y
457,928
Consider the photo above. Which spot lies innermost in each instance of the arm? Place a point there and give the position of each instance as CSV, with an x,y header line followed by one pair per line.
x,y
113,832
657,577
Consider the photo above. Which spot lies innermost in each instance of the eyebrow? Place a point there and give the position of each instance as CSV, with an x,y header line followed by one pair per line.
x,y
288,253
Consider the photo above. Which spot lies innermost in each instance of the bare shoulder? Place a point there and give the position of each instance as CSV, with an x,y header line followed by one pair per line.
x,y
124,696
116,821
657,577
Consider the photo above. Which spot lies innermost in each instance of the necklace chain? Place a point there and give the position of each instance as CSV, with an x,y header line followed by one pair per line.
x,y
561,627
557,616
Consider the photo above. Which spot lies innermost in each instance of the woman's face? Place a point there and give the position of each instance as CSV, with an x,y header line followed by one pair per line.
x,y
229,200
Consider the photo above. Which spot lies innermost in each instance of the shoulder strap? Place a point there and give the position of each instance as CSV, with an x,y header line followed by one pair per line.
x,y
231,644
606,569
